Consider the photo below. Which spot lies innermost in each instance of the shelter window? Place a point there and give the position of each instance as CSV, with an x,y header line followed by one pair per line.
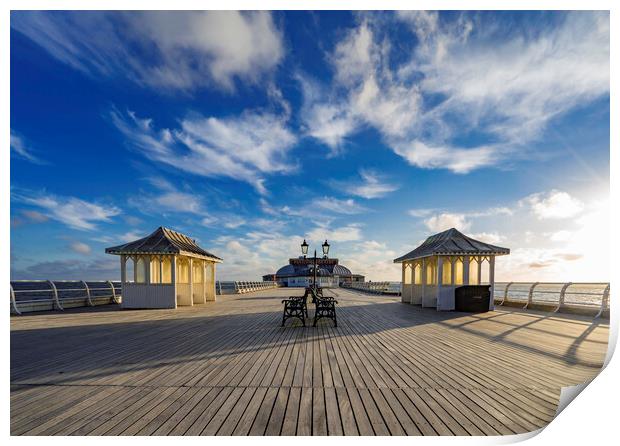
x,y
155,270
166,266
197,266
485,267
430,273
446,272
140,270
407,273
183,271
129,269
417,274
473,271
458,271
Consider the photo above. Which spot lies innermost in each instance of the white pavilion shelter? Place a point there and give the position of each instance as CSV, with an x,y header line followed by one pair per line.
x,y
165,269
445,261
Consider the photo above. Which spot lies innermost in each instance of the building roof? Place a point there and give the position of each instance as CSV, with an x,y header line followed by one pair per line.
x,y
304,267
163,241
452,242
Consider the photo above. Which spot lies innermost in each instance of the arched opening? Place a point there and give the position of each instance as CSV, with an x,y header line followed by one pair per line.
x,y
408,273
155,278
197,271
485,271
129,269
458,271
446,271
166,266
417,274
140,270
182,270
431,277
473,271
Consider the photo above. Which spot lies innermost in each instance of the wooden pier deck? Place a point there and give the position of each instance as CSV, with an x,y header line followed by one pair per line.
x,y
227,368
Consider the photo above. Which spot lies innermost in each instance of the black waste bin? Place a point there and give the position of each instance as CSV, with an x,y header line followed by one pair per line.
x,y
473,298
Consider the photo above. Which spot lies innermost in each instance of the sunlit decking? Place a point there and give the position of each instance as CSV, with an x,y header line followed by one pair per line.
x,y
227,367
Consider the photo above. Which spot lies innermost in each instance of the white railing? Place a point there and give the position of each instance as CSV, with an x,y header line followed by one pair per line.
x,y
40,295
372,287
592,297
243,287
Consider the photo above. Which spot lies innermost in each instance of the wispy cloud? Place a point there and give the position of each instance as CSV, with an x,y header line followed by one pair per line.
x,y
466,74
245,148
372,185
80,248
338,206
71,211
186,49
20,149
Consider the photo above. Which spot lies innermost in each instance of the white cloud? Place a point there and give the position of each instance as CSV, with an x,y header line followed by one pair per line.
x,y
553,205
488,237
420,212
243,148
80,248
348,233
71,211
19,148
463,76
347,206
374,260
446,220
131,236
35,216
186,49
371,185
512,87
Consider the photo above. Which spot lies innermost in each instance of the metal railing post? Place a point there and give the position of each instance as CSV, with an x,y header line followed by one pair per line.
x,y
604,302
530,295
13,301
562,295
506,293
90,302
109,282
55,296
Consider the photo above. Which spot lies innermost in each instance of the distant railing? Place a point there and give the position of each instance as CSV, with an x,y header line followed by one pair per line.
x,y
40,295
374,287
242,287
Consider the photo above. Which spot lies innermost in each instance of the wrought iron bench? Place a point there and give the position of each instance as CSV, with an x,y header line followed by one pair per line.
x,y
295,306
325,307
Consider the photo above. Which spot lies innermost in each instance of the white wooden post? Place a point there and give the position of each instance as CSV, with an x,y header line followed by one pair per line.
x,y
173,278
191,281
492,281
135,268
465,270
423,277
204,281
439,280
147,272
123,270
453,261
213,280
402,284
161,269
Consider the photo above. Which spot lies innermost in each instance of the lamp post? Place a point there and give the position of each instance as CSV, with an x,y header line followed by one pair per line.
x,y
304,251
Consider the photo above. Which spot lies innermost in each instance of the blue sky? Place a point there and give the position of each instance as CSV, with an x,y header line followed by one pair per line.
x,y
252,131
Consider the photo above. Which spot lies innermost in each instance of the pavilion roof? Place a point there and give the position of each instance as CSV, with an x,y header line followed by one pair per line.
x,y
163,241
452,242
